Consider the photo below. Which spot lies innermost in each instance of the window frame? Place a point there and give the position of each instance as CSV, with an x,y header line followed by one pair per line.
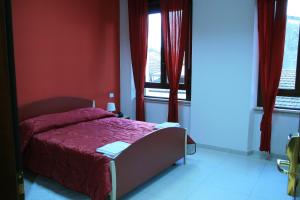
x,y
286,92
154,7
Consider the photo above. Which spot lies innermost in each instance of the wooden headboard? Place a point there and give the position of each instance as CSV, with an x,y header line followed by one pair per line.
x,y
52,105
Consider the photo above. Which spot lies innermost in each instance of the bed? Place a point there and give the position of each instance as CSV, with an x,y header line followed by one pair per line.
x,y
60,135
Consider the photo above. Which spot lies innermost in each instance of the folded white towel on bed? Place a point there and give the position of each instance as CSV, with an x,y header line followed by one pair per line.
x,y
112,150
167,125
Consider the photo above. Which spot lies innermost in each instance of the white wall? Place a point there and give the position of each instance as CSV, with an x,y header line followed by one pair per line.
x,y
157,111
127,92
222,67
283,125
224,79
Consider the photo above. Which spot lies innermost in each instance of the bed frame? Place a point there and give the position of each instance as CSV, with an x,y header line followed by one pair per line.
x,y
139,162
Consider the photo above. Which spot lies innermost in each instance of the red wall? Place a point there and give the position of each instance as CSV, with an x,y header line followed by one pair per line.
x,y
66,48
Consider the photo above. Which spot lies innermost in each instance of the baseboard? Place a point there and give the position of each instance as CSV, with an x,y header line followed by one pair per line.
x,y
223,149
273,156
263,155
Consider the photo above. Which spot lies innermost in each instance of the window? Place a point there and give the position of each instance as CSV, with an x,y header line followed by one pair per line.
x,y
156,84
289,86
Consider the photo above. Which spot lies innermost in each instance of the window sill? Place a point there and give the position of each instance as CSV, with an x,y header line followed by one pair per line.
x,y
165,101
280,110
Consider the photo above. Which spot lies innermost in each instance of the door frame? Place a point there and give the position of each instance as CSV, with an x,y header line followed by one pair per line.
x,y
10,156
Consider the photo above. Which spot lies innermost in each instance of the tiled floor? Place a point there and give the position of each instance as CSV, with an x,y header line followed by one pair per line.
x,y
208,175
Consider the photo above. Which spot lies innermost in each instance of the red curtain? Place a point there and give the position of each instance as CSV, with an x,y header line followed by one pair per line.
x,y
271,30
138,31
174,14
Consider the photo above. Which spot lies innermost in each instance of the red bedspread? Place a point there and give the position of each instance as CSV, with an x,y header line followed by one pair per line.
x,y
66,152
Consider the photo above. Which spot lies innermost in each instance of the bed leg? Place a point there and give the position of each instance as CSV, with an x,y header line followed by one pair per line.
x,y
185,148
113,194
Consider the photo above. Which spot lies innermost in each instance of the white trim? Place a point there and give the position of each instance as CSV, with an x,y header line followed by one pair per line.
x,y
223,149
94,103
164,100
113,193
279,110
272,156
262,155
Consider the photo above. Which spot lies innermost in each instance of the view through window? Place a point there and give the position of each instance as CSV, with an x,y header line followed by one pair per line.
x,y
153,67
288,82
156,77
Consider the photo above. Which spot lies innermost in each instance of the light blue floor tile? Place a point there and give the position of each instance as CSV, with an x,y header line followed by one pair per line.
x,y
208,175
204,192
